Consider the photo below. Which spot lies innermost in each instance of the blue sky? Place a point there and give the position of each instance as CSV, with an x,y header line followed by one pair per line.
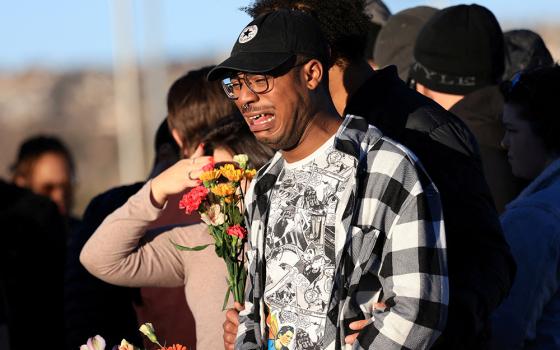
x,y
67,34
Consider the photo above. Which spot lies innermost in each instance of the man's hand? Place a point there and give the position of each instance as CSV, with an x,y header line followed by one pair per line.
x,y
230,326
359,325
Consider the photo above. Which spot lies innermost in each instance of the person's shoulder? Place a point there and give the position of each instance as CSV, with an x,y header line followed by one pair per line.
x,y
27,215
538,213
388,157
13,195
120,193
105,203
543,204
532,225
417,112
21,200
385,149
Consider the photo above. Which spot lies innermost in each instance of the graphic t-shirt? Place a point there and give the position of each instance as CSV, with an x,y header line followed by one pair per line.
x,y
299,250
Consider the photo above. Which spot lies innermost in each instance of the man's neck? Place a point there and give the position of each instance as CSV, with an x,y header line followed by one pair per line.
x,y
346,80
321,128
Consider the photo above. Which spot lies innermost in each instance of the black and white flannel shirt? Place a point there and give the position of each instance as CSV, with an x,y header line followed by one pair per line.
x,y
389,242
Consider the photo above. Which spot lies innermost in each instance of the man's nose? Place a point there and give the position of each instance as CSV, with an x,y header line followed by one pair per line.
x,y
246,96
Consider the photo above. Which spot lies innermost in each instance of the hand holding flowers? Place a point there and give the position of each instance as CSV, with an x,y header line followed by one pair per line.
x,y
219,200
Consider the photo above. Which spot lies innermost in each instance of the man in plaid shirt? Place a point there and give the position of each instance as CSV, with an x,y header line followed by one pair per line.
x,y
377,233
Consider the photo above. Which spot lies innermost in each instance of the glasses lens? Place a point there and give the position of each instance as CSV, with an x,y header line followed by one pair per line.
x,y
257,83
231,87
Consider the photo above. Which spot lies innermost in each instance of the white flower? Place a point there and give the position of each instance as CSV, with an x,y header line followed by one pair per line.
x,y
242,159
126,345
148,330
95,343
213,216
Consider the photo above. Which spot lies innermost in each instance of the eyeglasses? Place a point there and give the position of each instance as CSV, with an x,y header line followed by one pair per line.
x,y
257,83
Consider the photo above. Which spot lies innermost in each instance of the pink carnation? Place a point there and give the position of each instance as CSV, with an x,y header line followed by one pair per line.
x,y
192,200
237,231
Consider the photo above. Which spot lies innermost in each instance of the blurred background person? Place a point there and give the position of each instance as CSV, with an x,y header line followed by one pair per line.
x,y
31,269
459,62
132,247
396,39
530,317
379,13
525,49
96,307
45,166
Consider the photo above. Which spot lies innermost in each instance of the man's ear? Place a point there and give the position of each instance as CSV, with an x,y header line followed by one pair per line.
x,y
314,73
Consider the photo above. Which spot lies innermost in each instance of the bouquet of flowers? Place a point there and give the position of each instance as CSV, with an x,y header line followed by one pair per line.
x,y
219,200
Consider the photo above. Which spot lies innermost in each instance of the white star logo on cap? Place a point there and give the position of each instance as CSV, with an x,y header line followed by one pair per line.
x,y
248,34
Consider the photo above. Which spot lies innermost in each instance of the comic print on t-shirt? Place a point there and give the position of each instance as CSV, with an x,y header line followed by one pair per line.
x,y
299,250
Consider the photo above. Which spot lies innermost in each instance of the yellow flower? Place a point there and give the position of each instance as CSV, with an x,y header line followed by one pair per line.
x,y
232,174
250,174
223,190
232,199
210,175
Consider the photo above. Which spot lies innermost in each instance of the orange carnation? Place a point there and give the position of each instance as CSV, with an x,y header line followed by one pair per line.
x,y
210,175
231,173
223,190
250,174
175,347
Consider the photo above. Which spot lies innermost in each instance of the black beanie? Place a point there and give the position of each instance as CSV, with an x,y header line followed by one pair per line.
x,y
459,50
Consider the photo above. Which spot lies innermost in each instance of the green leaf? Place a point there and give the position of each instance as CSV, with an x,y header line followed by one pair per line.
x,y
226,298
190,249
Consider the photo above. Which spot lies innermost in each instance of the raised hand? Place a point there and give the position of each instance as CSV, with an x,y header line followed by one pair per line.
x,y
180,176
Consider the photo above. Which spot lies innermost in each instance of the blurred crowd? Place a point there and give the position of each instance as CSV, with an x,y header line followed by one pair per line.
x,y
419,75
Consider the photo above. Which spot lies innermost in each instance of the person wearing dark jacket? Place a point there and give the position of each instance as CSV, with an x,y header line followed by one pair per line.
x,y
459,62
481,269
91,305
31,269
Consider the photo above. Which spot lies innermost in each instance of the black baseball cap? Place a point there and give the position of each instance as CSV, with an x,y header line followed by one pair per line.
x,y
271,40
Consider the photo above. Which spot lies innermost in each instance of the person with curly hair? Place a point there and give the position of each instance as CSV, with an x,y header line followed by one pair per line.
x,y
374,233
481,267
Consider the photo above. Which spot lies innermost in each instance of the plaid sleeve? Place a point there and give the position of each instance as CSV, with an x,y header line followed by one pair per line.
x,y
413,269
248,333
